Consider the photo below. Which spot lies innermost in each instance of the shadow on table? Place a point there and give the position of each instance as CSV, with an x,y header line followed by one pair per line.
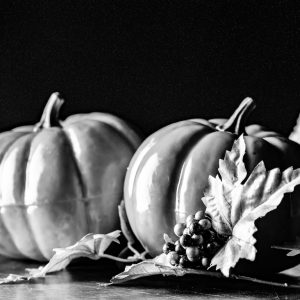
x,y
85,276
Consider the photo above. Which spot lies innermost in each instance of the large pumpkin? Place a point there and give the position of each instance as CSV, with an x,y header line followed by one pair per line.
x,y
60,180
169,173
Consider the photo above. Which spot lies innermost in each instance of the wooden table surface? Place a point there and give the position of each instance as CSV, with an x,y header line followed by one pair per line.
x,y
82,281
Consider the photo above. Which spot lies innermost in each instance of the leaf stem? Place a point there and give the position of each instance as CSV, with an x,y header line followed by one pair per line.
x,y
262,281
142,255
133,250
125,260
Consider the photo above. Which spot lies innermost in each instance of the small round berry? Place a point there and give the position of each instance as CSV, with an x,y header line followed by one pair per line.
x,y
212,248
195,228
189,220
179,249
209,246
167,247
185,240
197,239
199,215
205,224
179,228
173,258
186,231
183,261
193,254
205,262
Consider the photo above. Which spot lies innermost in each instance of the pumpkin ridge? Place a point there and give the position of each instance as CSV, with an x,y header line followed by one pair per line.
x,y
77,168
15,252
28,150
83,185
253,144
42,212
144,148
86,197
28,248
11,144
7,150
120,134
177,172
132,138
186,193
81,177
7,245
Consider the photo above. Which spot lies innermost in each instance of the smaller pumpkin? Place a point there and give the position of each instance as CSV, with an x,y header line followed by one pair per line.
x,y
60,180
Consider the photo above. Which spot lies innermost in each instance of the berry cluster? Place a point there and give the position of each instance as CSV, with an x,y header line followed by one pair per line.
x,y
197,243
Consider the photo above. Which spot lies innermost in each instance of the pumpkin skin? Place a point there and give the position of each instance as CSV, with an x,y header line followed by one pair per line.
x,y
169,174
60,180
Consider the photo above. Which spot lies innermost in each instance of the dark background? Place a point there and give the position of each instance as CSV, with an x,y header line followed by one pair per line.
x,y
150,62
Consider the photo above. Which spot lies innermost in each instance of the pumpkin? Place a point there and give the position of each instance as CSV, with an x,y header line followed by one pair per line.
x,y
169,173
60,180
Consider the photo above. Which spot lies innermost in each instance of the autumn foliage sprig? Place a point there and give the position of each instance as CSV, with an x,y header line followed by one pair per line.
x,y
235,202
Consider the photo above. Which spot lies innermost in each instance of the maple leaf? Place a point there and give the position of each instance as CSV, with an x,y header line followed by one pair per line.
x,y
160,266
91,245
235,205
157,266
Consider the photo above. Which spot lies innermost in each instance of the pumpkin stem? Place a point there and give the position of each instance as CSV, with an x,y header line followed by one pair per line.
x,y
236,123
51,111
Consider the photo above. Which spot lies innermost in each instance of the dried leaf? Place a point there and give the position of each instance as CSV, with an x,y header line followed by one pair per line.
x,y
217,206
143,269
151,267
13,279
235,206
160,266
218,195
92,246
232,168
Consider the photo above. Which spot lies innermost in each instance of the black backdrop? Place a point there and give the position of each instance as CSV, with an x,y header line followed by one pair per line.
x,y
150,62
